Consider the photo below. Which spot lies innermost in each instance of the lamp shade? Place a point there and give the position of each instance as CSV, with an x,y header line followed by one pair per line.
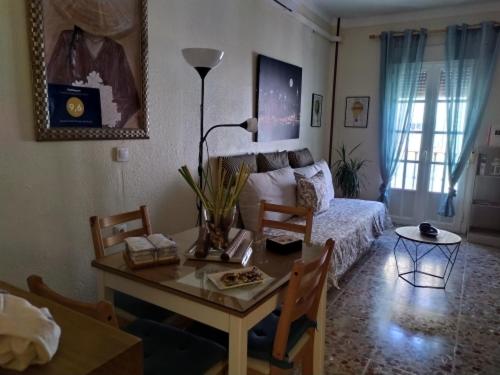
x,y
202,57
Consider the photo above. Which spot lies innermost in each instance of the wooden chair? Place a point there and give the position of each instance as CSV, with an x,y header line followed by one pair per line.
x,y
98,224
102,310
126,304
167,349
306,212
286,336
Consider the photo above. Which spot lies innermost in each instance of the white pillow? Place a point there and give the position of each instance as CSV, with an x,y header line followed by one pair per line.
x,y
311,170
278,187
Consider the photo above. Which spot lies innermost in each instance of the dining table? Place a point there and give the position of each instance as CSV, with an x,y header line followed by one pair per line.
x,y
86,345
186,289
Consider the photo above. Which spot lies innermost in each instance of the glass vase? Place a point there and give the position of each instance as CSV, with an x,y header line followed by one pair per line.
x,y
218,225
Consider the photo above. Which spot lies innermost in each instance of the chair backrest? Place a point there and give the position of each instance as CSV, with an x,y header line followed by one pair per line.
x,y
306,212
101,310
97,224
302,296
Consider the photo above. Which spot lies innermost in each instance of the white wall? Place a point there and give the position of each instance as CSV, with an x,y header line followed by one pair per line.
x,y
48,190
358,75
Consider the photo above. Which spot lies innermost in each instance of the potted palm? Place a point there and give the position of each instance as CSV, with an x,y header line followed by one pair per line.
x,y
218,198
347,172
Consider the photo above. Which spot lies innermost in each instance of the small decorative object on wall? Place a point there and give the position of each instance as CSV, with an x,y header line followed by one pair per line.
x,y
356,111
89,68
316,110
279,96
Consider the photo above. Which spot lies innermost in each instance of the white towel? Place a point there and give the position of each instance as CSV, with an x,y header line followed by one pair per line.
x,y
28,335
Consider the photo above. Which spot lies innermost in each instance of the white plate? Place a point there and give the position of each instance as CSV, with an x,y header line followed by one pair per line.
x,y
216,278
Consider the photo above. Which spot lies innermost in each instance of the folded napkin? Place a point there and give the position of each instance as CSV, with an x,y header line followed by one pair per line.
x,y
139,244
161,242
28,335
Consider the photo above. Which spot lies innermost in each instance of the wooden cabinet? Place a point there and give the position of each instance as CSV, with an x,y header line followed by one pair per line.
x,y
484,222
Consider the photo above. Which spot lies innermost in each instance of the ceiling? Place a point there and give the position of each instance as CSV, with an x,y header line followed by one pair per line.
x,y
330,9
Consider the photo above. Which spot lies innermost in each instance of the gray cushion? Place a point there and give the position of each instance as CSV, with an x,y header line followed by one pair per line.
x,y
300,158
232,163
261,338
272,161
168,350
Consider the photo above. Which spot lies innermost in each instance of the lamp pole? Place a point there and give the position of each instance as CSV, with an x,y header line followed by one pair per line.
x,y
202,71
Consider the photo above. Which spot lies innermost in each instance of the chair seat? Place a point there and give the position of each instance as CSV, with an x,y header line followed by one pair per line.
x,y
261,338
168,350
139,308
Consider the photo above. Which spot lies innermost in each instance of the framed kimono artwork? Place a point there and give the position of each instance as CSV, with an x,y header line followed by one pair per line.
x,y
89,62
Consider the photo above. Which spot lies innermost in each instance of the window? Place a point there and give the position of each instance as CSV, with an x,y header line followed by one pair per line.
x,y
406,174
423,156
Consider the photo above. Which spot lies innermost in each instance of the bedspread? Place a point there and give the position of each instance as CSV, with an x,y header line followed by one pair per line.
x,y
353,224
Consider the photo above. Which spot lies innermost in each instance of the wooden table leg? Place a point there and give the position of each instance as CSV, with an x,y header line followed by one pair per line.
x,y
238,334
319,337
103,292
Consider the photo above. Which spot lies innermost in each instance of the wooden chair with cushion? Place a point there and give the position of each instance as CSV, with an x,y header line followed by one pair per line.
x,y
286,336
98,225
167,350
306,212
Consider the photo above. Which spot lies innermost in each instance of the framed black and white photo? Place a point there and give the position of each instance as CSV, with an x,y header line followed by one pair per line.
x,y
89,68
316,110
356,111
279,98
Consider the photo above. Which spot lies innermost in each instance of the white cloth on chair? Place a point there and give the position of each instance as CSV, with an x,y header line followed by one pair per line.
x,y
28,335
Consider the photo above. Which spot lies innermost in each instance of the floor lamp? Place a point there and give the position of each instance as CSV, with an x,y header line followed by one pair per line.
x,y
204,60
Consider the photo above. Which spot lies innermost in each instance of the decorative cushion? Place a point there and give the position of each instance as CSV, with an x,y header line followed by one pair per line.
x,y
311,192
139,308
232,163
311,170
278,187
169,350
300,158
261,337
272,161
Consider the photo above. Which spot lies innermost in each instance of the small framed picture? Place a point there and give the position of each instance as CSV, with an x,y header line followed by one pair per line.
x,y
316,110
356,111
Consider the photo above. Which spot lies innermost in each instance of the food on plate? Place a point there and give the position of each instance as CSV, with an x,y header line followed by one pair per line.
x,y
244,277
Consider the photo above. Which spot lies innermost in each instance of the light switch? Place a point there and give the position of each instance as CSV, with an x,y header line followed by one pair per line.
x,y
121,154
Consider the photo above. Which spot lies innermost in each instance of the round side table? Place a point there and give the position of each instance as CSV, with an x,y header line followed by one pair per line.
x,y
418,246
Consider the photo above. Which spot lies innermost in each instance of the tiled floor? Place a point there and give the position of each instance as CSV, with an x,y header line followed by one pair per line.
x,y
379,324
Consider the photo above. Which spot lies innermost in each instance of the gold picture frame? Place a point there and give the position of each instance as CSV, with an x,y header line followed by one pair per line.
x,y
129,114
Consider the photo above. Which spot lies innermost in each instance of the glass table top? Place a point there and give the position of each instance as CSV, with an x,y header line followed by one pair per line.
x,y
190,277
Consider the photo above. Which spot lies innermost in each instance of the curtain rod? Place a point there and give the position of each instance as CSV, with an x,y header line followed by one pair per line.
x,y
436,31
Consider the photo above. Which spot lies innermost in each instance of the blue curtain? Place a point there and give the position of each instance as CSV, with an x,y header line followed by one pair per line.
x,y
471,56
400,67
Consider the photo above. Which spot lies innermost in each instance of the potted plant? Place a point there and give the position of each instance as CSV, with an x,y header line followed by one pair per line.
x,y
347,172
218,197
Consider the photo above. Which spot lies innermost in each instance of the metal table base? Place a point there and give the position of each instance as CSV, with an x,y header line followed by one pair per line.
x,y
450,254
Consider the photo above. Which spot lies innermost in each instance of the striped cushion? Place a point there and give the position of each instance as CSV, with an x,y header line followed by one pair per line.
x,y
232,163
300,158
272,161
